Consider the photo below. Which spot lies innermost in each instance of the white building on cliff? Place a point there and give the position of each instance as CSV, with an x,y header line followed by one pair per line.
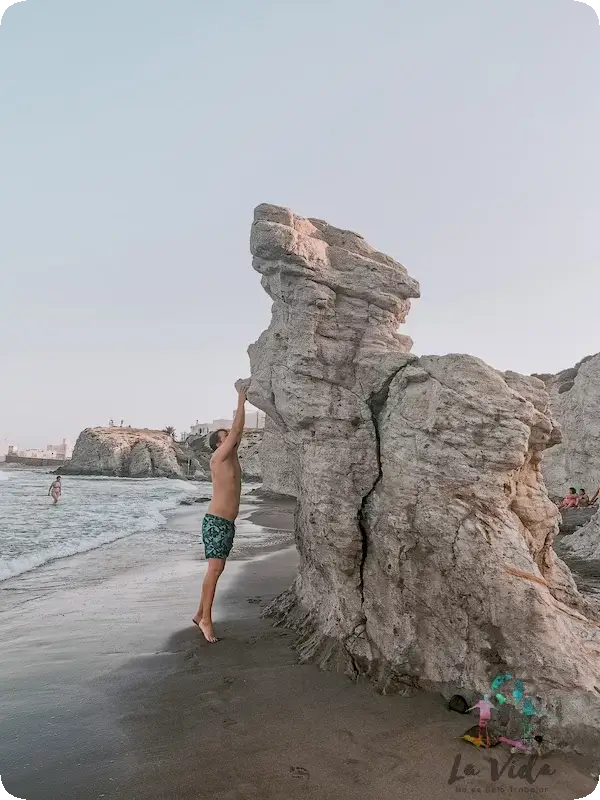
x,y
255,420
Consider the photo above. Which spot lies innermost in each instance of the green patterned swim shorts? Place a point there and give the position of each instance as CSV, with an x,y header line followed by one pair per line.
x,y
217,535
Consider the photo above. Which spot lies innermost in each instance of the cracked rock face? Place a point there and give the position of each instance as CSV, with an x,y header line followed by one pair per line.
x,y
460,564
575,405
423,524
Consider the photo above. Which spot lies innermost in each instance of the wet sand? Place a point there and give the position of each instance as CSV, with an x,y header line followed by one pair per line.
x,y
109,691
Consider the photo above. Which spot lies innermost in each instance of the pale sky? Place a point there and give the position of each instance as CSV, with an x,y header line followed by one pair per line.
x,y
136,137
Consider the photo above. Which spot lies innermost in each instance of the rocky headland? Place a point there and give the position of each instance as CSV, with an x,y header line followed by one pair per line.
x,y
424,527
144,453
131,453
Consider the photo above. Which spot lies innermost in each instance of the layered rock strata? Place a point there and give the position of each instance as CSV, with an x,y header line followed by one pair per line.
x,y
423,524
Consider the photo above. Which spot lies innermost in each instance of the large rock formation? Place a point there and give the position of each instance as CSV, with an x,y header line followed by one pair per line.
x,y
130,453
423,525
575,405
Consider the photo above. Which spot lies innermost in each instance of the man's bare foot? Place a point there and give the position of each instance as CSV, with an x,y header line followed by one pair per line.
x,y
208,631
206,628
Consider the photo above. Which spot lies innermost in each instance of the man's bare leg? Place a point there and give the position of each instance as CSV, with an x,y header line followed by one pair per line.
x,y
203,617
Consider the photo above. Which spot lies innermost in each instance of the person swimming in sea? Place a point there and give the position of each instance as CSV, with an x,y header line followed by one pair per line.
x,y
55,490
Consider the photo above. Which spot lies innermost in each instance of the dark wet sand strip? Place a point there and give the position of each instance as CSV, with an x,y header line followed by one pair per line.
x,y
126,700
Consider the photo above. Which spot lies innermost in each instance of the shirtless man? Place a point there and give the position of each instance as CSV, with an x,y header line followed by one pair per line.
x,y
55,489
218,526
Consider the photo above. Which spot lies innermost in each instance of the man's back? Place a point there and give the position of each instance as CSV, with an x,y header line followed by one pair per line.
x,y
227,486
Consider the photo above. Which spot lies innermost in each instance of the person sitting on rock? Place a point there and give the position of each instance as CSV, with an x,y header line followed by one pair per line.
x,y
571,500
584,499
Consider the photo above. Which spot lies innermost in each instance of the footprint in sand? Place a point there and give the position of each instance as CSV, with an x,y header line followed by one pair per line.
x,y
191,654
299,772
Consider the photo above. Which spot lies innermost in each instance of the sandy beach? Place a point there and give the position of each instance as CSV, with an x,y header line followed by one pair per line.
x,y
110,692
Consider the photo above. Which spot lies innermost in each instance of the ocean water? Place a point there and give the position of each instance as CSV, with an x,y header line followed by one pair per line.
x,y
91,513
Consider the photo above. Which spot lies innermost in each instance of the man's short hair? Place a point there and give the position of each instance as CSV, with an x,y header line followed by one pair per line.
x,y
213,439
573,490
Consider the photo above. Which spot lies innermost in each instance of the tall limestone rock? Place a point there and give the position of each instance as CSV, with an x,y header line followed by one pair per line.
x,y
330,349
423,525
575,405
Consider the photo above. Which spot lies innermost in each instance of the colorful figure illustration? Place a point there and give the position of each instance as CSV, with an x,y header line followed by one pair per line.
x,y
515,745
528,711
500,680
485,714
518,692
497,683
526,707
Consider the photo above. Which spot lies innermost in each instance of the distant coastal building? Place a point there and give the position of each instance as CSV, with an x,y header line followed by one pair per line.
x,y
204,428
63,450
52,452
199,429
255,420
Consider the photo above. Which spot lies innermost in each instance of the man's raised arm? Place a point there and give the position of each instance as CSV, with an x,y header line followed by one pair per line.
x,y
237,429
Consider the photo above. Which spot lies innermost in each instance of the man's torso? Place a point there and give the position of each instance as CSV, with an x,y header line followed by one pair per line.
x,y
227,486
